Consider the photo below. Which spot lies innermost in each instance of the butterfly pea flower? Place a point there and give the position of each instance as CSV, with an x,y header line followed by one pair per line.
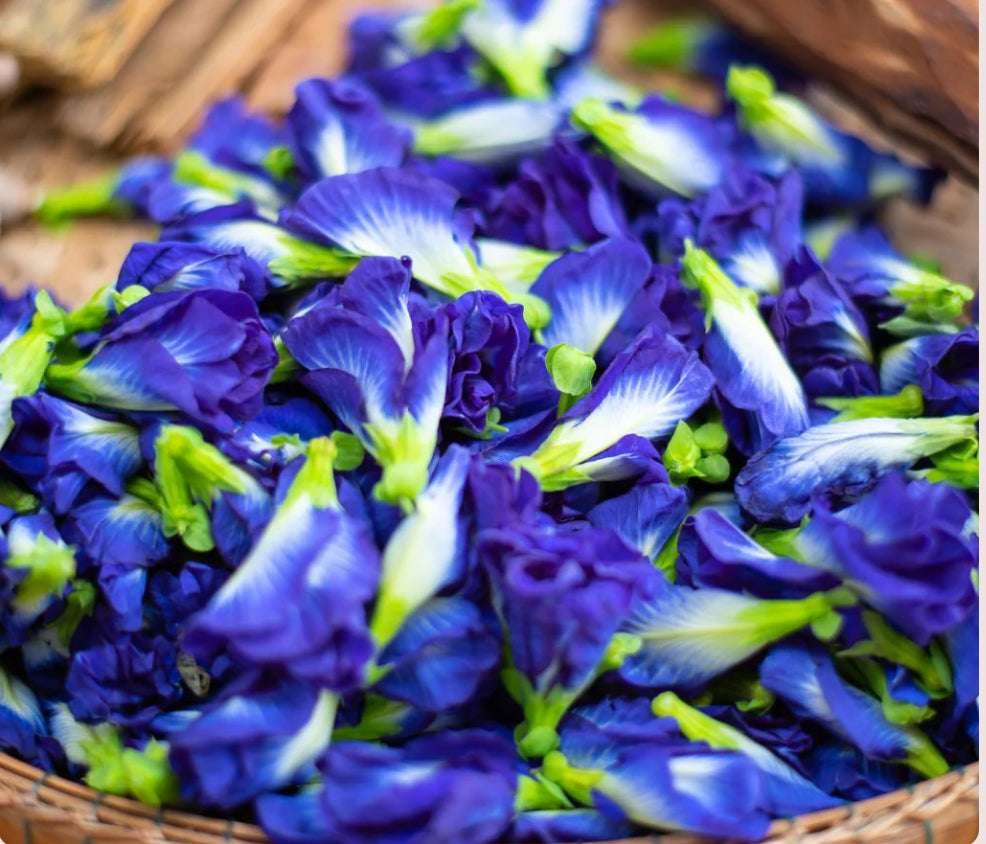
x,y
487,339
661,147
24,729
275,436
337,127
203,352
259,736
315,562
643,393
560,595
751,372
822,333
662,787
516,266
750,224
204,497
574,824
907,404
875,275
719,554
523,41
425,553
588,292
777,483
564,198
440,657
786,792
905,549
685,637
495,132
456,786
127,678
364,362
944,366
287,260
806,679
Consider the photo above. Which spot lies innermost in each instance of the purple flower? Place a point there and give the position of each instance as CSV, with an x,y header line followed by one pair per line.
x,y
944,366
203,352
487,339
907,548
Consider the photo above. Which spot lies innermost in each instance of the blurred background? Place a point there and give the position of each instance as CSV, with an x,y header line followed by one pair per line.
x,y
85,83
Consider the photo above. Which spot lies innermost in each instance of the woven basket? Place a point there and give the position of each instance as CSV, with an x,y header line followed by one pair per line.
x,y
39,809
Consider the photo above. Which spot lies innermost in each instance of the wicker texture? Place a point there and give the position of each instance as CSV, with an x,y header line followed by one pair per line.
x,y
40,809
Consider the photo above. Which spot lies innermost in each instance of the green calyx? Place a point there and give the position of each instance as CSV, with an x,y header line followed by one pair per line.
x,y
907,404
930,667
695,724
404,452
931,297
279,162
97,197
702,272
578,783
673,44
697,454
438,28
538,793
935,435
957,465
19,500
608,125
50,565
79,603
303,261
193,168
115,769
315,479
571,370
781,541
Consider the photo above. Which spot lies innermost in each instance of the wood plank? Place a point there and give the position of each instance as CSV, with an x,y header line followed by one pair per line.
x,y
104,116
251,30
75,43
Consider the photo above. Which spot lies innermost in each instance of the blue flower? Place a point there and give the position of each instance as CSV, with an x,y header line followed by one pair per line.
x,y
786,792
839,768
167,266
905,548
686,637
124,678
488,340
24,729
126,531
441,656
569,825
877,276
646,517
259,736
297,602
750,224
720,555
455,787
823,334
777,483
561,594
364,362
589,291
806,679
660,147
562,199
204,352
339,127
944,366
645,391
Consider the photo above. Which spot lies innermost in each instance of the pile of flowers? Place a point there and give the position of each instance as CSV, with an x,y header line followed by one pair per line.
x,y
494,451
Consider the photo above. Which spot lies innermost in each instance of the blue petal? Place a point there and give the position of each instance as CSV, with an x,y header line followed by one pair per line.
x,y
378,289
339,127
388,212
589,291
440,657
645,517
21,718
569,825
297,601
295,819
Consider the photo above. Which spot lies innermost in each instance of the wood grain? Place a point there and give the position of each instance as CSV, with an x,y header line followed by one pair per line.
x,y
75,43
105,116
913,64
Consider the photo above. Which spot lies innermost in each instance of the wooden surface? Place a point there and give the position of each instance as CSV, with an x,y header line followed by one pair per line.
x,y
914,64
75,43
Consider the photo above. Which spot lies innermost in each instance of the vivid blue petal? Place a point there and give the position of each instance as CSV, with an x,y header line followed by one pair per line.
x,y
126,531
252,741
569,825
440,657
645,517
589,291
293,819
22,722
777,483
339,127
945,366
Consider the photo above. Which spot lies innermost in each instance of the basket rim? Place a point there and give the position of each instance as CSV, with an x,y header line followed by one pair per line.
x,y
951,799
